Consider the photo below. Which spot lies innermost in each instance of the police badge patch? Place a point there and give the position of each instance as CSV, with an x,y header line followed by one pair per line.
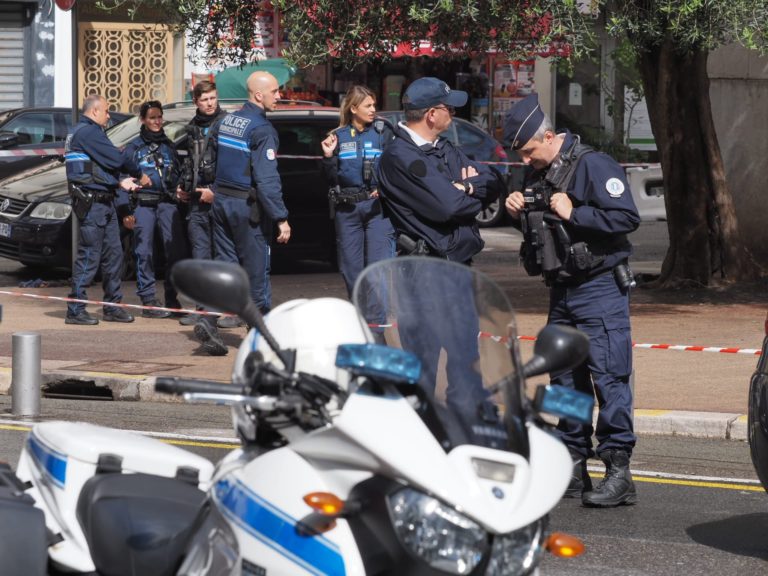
x,y
614,187
270,153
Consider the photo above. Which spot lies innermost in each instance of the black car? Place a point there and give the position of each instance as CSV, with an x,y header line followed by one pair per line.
x,y
30,136
757,418
35,211
480,146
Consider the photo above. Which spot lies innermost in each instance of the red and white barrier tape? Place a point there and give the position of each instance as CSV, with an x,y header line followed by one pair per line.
x,y
32,152
679,347
481,334
116,304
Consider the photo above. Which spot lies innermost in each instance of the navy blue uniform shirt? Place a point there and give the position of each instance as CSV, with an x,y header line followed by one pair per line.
x,y
603,209
93,161
247,157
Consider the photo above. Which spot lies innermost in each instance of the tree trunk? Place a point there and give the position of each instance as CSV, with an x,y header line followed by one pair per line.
x,y
704,238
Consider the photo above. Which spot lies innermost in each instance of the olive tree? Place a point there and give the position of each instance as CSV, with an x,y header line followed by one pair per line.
x,y
671,41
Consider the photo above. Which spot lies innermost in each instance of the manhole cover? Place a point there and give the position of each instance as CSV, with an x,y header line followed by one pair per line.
x,y
124,367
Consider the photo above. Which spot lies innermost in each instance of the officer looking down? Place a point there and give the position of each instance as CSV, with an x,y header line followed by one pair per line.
x,y
575,213
248,197
93,165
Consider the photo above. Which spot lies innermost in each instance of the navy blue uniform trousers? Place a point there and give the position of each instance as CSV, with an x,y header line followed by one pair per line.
x,y
166,219
236,239
600,309
98,247
363,236
200,230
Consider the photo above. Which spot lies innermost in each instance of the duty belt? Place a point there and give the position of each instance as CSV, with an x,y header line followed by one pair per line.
x,y
102,197
352,195
151,199
234,192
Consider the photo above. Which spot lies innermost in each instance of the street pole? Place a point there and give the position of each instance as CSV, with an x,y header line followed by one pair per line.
x,y
75,119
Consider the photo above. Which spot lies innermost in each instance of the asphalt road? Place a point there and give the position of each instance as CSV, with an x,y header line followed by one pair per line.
x,y
699,512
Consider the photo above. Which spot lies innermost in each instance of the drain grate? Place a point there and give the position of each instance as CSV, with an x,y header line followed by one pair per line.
x,y
81,389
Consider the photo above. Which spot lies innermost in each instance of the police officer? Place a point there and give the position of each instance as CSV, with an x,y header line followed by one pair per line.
x,y
248,197
432,192
363,234
200,172
93,166
154,207
576,212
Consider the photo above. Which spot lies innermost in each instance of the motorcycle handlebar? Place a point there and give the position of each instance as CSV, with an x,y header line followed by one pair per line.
x,y
180,386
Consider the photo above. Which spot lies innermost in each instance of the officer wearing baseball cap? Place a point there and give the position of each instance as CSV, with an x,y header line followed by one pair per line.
x,y
432,193
428,92
582,195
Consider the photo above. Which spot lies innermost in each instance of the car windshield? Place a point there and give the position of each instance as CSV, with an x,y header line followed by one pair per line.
x,y
461,326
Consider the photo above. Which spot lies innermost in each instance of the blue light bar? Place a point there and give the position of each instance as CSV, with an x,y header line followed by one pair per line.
x,y
565,403
377,360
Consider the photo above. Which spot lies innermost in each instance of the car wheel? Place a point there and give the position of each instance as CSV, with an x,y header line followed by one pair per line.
x,y
491,215
757,426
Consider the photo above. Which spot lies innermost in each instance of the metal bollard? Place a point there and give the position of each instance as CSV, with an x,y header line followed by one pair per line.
x,y
25,374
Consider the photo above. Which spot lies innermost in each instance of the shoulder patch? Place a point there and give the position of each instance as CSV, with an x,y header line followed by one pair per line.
x,y
270,154
418,168
614,187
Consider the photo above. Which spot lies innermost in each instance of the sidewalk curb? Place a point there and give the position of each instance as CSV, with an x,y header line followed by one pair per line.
x,y
132,387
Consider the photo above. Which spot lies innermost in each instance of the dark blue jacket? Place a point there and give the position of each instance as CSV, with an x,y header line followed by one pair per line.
x,y
247,158
93,161
603,209
160,162
417,189
346,166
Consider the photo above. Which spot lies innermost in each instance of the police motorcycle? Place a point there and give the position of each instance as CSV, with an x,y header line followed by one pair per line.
x,y
349,464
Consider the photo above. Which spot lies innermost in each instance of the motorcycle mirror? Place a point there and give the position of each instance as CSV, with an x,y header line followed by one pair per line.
x,y
557,348
224,286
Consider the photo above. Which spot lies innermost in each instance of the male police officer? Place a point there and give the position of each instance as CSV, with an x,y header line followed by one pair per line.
x,y
576,212
199,173
93,165
432,192
248,191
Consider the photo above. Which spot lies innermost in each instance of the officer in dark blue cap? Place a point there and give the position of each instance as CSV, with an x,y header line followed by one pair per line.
x,y
432,193
576,211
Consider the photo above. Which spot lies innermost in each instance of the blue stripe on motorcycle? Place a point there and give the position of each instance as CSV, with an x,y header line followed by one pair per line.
x,y
51,462
276,529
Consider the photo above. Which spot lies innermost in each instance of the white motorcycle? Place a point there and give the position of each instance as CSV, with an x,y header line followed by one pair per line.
x,y
353,462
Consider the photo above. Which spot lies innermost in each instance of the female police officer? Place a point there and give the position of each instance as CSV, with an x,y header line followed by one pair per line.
x,y
154,207
363,234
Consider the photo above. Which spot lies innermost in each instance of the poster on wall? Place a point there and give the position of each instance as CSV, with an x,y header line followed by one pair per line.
x,y
512,81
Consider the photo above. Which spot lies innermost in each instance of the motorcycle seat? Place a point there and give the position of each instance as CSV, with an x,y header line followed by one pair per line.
x,y
137,524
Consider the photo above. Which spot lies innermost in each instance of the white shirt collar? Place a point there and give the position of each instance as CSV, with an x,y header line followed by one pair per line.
x,y
417,139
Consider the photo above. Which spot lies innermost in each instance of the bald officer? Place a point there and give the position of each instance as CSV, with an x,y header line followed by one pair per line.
x,y
248,201
579,204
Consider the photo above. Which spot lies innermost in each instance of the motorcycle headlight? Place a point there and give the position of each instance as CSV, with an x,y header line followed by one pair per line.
x,y
517,552
436,533
51,211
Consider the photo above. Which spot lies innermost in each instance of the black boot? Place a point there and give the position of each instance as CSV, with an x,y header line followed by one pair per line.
x,y
616,487
580,480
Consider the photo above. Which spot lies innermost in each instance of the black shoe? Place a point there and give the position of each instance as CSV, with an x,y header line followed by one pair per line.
x,y
154,313
229,322
176,305
209,338
113,314
83,319
616,488
580,480
189,319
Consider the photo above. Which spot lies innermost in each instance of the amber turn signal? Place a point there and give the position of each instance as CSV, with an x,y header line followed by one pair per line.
x,y
564,545
325,503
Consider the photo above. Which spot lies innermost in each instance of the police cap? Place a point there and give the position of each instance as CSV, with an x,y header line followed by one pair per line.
x,y
428,92
522,121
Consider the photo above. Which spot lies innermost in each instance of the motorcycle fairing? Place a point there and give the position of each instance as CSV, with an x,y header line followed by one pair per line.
x,y
52,463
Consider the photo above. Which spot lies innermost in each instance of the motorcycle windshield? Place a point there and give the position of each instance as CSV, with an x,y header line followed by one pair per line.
x,y
460,324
